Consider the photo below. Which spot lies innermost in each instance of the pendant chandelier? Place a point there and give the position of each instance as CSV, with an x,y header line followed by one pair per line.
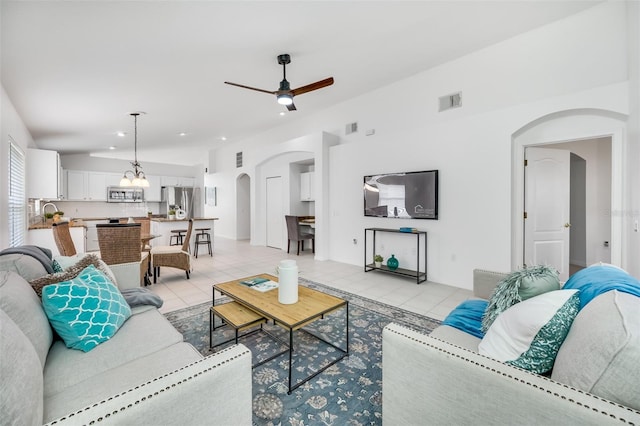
x,y
136,176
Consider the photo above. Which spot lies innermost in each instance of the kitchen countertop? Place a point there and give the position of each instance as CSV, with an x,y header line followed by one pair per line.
x,y
80,221
72,224
164,219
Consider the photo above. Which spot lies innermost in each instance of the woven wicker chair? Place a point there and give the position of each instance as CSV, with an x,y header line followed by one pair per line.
x,y
62,237
120,243
145,229
295,234
172,256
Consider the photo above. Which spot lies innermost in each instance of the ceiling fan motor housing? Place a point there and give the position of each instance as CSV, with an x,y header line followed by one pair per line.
x,y
284,59
284,86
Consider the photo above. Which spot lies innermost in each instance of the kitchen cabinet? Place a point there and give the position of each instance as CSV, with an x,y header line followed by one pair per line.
x,y
92,234
169,180
90,186
307,186
187,182
44,174
44,238
76,184
153,193
177,181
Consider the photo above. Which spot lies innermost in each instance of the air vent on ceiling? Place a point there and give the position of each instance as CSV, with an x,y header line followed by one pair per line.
x,y
450,101
238,159
351,128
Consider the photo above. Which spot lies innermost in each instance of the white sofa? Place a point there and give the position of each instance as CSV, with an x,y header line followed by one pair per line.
x,y
145,374
442,379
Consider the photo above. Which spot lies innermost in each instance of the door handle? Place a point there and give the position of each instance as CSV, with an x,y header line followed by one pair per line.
x,y
567,225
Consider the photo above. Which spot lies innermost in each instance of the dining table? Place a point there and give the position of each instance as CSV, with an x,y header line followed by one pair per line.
x,y
145,238
311,222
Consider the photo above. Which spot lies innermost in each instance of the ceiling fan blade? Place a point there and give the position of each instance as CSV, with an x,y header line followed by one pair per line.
x,y
313,86
271,92
291,107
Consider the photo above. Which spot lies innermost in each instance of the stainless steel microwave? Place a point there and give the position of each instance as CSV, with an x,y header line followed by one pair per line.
x,y
119,194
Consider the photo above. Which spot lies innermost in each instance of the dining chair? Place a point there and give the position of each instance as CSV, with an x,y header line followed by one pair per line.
x,y
120,243
62,237
295,234
145,229
172,256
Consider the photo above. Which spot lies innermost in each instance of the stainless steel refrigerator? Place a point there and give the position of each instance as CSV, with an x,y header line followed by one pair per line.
x,y
179,197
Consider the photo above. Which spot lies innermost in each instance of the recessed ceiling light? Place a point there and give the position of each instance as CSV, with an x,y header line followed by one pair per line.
x,y
121,134
112,147
282,113
182,134
223,138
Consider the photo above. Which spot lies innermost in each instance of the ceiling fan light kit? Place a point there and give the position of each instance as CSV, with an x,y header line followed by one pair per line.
x,y
285,99
284,94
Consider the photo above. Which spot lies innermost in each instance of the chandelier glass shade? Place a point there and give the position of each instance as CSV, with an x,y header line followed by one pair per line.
x,y
136,176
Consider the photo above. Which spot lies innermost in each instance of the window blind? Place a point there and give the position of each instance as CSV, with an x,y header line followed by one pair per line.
x,y
17,203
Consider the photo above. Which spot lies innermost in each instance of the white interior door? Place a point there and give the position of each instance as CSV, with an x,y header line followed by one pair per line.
x,y
275,213
547,207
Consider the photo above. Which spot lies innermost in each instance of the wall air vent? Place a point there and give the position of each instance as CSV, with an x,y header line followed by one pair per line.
x,y
351,128
450,101
238,159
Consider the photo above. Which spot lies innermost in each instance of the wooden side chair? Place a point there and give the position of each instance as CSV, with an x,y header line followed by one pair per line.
x,y
172,256
295,234
62,237
120,244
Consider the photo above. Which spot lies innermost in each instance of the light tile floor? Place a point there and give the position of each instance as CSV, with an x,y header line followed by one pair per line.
x,y
236,259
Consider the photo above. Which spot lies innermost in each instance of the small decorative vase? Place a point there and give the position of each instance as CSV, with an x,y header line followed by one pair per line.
x,y
172,217
392,263
378,264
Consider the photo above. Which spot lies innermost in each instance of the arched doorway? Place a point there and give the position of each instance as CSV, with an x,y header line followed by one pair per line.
x,y
243,207
571,130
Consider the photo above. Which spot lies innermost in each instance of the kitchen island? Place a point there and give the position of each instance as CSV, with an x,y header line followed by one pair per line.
x,y
40,234
163,226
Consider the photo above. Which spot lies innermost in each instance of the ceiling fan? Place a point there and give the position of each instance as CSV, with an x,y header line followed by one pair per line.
x,y
285,94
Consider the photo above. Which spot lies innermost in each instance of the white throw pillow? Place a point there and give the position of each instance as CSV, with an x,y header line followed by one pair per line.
x,y
529,334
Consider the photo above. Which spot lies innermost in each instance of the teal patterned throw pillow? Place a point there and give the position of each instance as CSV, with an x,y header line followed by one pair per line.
x,y
56,266
529,334
86,310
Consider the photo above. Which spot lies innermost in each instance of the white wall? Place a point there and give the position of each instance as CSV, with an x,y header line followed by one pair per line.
x,y
632,205
575,63
99,164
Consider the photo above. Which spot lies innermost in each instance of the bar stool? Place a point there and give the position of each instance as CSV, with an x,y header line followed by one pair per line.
x,y
203,237
178,235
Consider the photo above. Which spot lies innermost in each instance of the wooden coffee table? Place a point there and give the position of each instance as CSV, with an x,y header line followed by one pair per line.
x,y
311,305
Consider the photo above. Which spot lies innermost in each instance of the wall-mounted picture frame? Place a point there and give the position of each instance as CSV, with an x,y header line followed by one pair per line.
x,y
210,196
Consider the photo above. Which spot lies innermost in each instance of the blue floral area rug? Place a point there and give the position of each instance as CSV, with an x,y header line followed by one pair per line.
x,y
347,393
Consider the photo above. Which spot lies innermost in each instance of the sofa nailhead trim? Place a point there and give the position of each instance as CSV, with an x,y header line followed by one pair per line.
x,y
493,369
144,398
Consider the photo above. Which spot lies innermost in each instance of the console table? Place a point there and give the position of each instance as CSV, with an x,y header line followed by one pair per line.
x,y
420,236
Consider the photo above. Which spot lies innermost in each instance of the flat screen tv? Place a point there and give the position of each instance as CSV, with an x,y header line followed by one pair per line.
x,y
412,195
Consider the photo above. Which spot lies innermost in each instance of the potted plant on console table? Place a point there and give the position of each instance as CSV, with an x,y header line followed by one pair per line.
x,y
172,214
377,260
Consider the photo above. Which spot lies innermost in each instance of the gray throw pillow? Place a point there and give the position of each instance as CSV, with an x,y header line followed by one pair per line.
x,y
600,353
518,286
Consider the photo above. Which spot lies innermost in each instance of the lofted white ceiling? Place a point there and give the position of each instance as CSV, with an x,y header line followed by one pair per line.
x,y
74,70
